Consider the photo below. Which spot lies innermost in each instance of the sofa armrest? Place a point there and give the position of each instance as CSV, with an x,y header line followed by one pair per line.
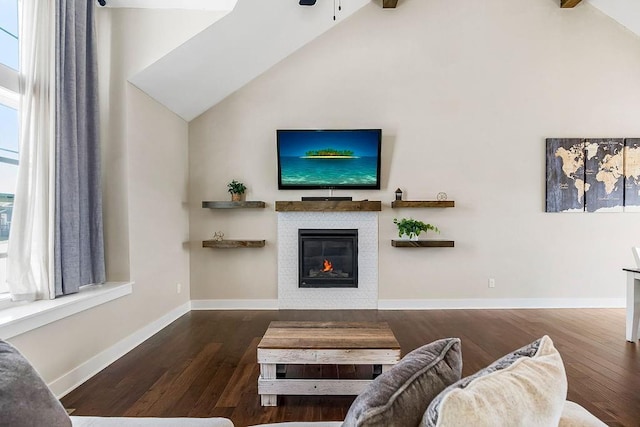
x,y
148,422
574,415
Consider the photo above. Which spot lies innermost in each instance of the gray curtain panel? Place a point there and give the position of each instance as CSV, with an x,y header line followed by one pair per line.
x,y
79,246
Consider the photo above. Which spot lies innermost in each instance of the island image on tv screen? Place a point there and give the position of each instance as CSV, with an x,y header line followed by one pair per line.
x,y
309,159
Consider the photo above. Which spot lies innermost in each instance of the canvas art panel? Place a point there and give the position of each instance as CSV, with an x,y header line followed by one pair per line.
x,y
565,183
632,175
604,175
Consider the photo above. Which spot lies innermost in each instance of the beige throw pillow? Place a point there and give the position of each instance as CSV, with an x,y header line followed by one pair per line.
x,y
400,396
525,388
574,415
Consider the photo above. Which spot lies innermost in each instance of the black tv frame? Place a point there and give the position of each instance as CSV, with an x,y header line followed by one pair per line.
x,y
375,186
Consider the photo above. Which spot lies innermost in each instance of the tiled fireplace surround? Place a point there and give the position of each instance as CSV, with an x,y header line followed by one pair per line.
x,y
365,296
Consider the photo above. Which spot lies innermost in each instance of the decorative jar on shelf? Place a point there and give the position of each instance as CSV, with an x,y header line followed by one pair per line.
x,y
413,237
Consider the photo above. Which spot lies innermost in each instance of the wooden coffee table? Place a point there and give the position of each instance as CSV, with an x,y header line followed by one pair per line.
x,y
322,343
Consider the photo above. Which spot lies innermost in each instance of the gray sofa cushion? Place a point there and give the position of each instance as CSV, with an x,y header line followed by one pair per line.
x,y
400,396
25,400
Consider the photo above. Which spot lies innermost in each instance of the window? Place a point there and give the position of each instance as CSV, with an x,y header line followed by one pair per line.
x,y
9,65
9,33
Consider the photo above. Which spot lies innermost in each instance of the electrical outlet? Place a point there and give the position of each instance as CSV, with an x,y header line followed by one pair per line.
x,y
179,287
492,282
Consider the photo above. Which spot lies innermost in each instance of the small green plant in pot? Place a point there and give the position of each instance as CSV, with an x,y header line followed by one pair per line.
x,y
412,227
236,189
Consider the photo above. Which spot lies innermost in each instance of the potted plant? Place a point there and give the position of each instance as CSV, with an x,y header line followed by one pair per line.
x,y
412,227
236,189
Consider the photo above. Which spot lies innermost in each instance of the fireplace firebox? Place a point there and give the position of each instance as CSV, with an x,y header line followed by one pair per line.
x,y
328,258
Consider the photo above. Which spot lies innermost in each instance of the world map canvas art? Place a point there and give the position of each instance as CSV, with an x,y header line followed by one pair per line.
x,y
593,175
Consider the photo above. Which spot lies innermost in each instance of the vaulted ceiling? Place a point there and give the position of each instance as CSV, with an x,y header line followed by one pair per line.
x,y
626,12
257,34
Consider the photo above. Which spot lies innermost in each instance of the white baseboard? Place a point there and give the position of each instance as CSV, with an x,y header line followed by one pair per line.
x,y
499,303
83,372
234,304
429,304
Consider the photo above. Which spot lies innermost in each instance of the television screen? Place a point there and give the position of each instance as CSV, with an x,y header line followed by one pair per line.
x,y
314,159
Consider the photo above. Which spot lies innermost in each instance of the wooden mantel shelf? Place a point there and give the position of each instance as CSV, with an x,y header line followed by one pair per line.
x,y
227,244
423,204
329,206
422,243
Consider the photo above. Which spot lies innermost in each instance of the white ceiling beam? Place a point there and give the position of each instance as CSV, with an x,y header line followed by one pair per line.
x,y
236,49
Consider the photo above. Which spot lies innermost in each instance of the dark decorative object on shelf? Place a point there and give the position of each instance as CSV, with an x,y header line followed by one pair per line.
x,y
398,194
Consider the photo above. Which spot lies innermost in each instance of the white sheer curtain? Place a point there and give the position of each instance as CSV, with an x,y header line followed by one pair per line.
x,y
30,252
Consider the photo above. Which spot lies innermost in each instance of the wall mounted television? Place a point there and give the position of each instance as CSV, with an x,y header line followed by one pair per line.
x,y
329,158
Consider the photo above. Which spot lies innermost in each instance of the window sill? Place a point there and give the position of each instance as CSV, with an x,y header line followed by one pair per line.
x,y
19,318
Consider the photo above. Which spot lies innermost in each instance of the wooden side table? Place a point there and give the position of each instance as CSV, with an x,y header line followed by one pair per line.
x,y
330,343
633,303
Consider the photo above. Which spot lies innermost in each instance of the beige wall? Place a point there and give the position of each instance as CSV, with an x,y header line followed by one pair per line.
x,y
130,40
145,184
466,93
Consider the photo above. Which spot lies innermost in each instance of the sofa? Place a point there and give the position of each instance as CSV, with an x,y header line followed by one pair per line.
x,y
527,387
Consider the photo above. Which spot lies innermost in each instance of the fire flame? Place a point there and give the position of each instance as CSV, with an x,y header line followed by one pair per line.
x,y
327,265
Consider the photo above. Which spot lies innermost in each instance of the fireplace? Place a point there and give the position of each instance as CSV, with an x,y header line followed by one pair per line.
x,y
328,258
292,297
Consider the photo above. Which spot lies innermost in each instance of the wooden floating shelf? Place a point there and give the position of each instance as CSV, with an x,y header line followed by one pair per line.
x,y
227,244
332,206
422,243
232,205
423,204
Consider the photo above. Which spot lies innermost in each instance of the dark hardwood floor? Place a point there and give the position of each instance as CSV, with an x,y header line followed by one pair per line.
x,y
204,364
